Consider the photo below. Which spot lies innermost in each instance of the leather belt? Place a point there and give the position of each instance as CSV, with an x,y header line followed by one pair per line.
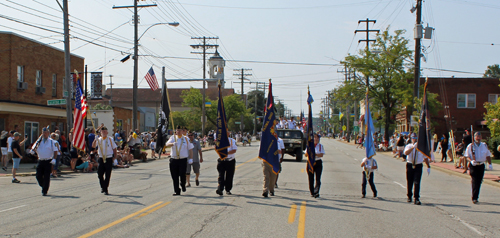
x,y
45,159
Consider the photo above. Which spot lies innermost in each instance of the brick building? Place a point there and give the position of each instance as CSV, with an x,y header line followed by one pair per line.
x,y
466,98
31,73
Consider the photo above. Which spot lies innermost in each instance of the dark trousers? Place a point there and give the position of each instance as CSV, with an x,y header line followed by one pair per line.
x,y
413,177
372,184
318,169
43,170
444,154
226,174
178,171
104,169
476,175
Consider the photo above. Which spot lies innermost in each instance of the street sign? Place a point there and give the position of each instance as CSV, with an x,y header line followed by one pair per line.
x,y
208,104
56,102
356,129
344,128
237,122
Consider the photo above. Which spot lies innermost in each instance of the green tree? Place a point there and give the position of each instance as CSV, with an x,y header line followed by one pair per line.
x,y
492,71
261,102
389,88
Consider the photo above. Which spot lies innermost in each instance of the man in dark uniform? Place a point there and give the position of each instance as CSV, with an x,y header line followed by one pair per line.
x,y
414,170
477,153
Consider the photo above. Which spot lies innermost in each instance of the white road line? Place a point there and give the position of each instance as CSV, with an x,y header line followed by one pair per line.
x,y
356,159
467,225
347,154
163,170
13,208
399,184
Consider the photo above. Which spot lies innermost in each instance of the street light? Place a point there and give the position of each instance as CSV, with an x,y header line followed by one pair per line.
x,y
136,66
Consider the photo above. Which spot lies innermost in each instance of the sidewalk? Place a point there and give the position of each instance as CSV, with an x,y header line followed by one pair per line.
x,y
490,176
29,169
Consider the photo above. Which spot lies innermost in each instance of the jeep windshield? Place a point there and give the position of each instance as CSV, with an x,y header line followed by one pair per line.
x,y
290,134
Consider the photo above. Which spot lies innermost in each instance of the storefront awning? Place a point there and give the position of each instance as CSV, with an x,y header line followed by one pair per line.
x,y
27,109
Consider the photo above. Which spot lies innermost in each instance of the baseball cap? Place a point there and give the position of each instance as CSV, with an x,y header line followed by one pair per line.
x,y
17,134
413,136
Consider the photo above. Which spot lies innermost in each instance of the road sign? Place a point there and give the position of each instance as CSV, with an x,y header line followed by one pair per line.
x,y
56,102
208,104
344,128
237,122
356,129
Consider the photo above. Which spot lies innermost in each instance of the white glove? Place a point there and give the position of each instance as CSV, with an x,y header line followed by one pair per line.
x,y
473,162
190,161
428,171
490,167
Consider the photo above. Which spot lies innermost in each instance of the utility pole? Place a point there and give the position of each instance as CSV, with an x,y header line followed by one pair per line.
x,y
204,47
242,75
67,69
255,109
111,87
418,36
136,59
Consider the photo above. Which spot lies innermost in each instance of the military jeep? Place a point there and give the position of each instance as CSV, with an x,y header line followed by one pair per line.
x,y
295,142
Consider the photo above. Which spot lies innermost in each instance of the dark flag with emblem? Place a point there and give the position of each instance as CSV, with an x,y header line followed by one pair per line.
x,y
269,140
222,141
311,149
424,128
161,134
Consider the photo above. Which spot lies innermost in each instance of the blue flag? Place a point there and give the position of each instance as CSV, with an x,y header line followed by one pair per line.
x,y
311,149
222,141
268,150
369,129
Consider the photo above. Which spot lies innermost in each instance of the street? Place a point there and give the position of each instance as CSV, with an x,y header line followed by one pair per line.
x,y
141,204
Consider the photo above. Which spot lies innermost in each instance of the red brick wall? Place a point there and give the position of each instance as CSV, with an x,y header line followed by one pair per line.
x,y
463,118
14,51
126,116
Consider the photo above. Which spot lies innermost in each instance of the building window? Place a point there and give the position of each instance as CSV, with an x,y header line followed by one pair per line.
x,y
466,100
31,129
20,73
39,78
493,98
54,85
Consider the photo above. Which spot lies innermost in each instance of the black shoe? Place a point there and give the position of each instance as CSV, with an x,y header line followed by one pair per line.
x,y
197,183
264,194
276,185
475,201
363,196
102,190
408,200
316,195
176,194
271,193
44,194
375,195
228,193
219,192
184,189
106,193
417,202
15,181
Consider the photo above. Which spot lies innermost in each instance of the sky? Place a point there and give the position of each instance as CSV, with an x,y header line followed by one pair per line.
x,y
295,43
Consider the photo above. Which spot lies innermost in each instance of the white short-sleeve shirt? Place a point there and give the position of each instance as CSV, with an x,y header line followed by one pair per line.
x,y
182,145
481,151
46,149
319,149
411,156
370,163
232,146
105,147
281,145
9,143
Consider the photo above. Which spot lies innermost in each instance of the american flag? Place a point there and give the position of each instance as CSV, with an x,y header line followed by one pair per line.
x,y
78,134
151,78
84,106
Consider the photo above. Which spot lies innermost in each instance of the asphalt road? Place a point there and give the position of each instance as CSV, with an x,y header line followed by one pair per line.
x,y
141,203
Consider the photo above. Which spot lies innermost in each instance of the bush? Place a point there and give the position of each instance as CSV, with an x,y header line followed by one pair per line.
x,y
493,145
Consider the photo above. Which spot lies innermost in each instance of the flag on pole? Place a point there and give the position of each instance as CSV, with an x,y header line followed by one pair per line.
x,y
340,115
303,120
268,151
84,106
222,141
78,133
151,78
311,149
369,129
424,128
161,132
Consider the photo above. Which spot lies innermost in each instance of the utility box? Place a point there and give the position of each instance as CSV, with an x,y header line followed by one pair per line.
x,y
428,33
417,32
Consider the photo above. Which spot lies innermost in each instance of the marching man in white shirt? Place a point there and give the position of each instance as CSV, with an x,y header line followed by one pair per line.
x,y
46,151
368,165
182,150
107,153
477,153
414,174
226,169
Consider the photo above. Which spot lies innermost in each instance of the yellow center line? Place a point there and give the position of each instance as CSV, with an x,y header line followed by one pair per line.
x,y
154,209
291,216
302,220
250,160
119,221
302,170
